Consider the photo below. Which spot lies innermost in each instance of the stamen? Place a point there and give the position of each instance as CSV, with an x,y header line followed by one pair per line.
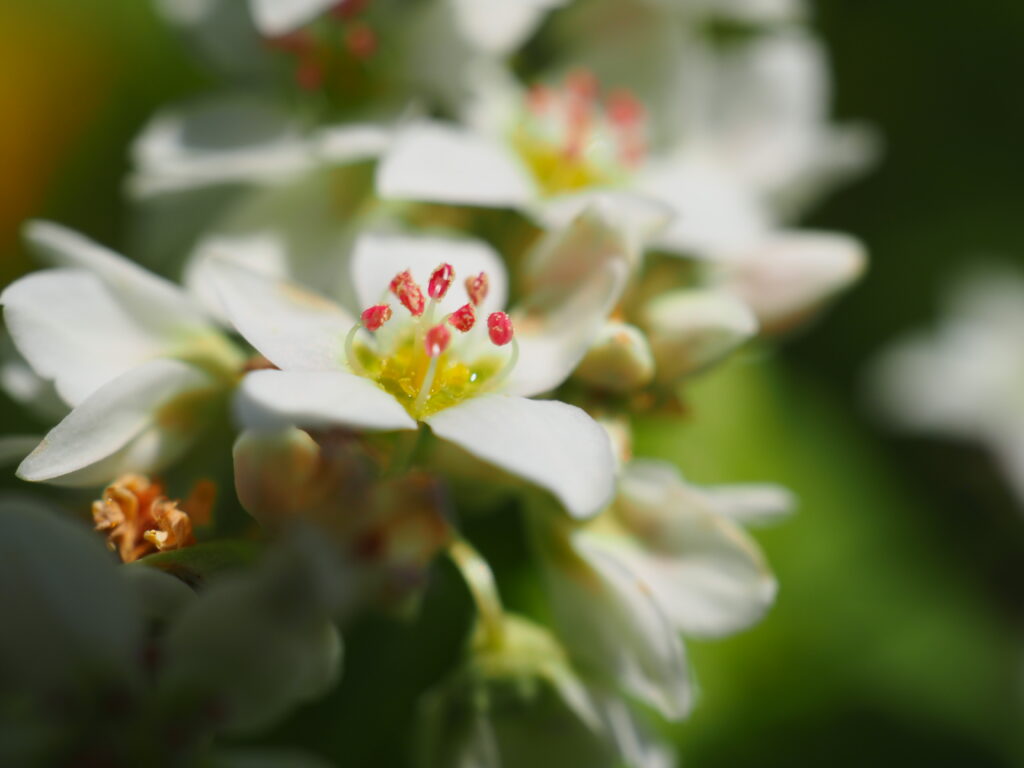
x,y
499,327
539,98
440,281
374,317
437,340
408,292
360,40
348,9
309,75
350,351
476,288
464,318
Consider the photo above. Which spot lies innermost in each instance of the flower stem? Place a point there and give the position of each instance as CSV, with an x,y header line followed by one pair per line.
x,y
480,580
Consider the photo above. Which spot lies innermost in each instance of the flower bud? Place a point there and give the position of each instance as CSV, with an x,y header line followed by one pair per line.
x,y
691,329
789,276
619,360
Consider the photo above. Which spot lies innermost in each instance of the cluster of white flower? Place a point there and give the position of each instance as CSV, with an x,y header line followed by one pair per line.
x,y
435,256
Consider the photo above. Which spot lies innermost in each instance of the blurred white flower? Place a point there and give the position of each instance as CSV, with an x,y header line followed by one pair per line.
x,y
731,140
667,558
965,379
138,362
430,359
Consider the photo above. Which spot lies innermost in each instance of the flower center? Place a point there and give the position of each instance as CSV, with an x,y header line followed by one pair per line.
x,y
573,138
331,50
429,363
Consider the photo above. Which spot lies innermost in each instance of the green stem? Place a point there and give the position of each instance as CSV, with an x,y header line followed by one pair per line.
x,y
484,590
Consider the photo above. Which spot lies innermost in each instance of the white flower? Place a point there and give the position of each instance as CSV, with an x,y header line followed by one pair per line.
x,y
965,379
411,360
728,141
134,357
666,559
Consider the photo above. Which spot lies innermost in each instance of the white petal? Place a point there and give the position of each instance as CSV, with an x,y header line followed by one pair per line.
x,y
613,626
557,446
576,276
752,503
789,274
351,142
690,329
137,422
376,259
295,329
434,162
157,302
713,210
71,329
278,17
238,139
498,26
298,231
639,216
317,399
708,575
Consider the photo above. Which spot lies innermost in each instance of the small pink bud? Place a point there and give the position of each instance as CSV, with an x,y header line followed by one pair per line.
x,y
408,292
374,317
437,340
463,318
477,288
440,280
500,328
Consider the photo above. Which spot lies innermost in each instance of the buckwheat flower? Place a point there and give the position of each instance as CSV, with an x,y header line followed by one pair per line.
x,y
666,559
469,387
963,378
492,710
138,362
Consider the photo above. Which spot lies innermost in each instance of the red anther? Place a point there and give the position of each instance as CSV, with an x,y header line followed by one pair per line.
x,y
296,42
623,108
348,9
500,328
440,280
408,292
463,318
476,288
374,317
437,340
360,40
582,84
309,75
400,279
539,98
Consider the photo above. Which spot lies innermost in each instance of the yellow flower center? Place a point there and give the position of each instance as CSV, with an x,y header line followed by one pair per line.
x,y
404,369
416,362
571,139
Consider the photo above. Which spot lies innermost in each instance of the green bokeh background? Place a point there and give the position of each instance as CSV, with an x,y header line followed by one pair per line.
x,y
897,638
